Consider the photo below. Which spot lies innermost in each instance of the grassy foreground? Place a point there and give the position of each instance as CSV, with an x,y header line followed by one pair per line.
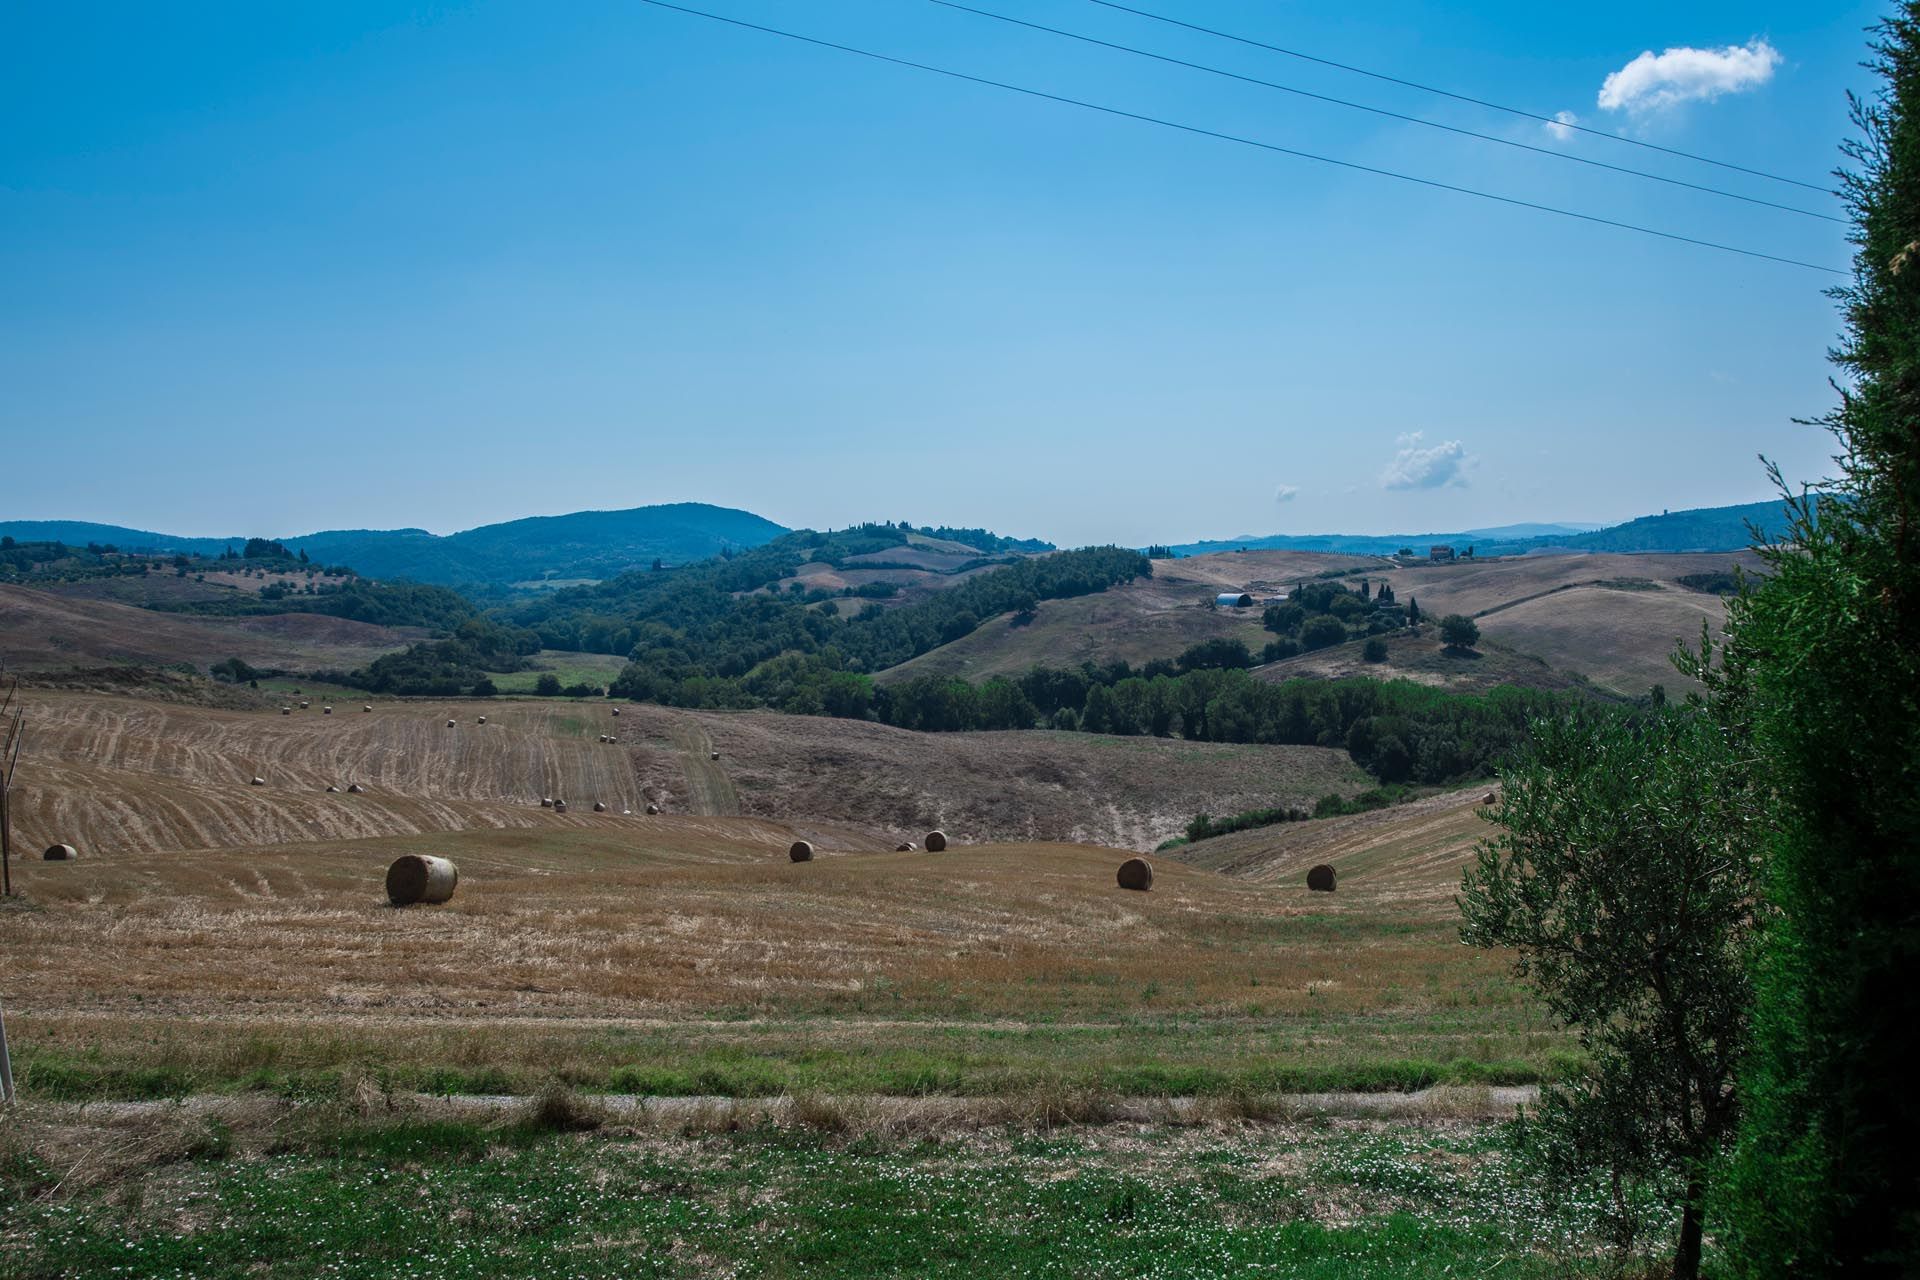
x,y
819,1193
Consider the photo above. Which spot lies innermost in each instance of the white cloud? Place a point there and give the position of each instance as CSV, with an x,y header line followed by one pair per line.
x,y
1560,128
1419,466
1286,493
1654,82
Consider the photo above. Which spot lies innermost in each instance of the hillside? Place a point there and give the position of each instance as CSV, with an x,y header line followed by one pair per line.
x,y
117,775
1134,622
583,544
1549,621
49,631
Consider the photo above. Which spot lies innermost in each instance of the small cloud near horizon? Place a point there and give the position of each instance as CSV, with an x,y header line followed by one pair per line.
x,y
1655,82
1560,128
1286,493
1419,466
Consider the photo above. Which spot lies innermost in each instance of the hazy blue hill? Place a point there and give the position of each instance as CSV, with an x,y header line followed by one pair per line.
x,y
78,533
1701,529
1363,544
585,544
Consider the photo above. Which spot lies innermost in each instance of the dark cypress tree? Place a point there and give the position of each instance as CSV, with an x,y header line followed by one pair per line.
x,y
1826,1181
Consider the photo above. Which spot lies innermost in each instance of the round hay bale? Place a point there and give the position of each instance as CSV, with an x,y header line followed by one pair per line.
x,y
368,707
559,806
1322,879
616,711
354,788
331,788
905,846
598,807
326,711
1489,798
258,781
418,877
305,705
800,851
60,853
286,711
1136,873
936,842
546,802
714,756
653,808
449,724
483,719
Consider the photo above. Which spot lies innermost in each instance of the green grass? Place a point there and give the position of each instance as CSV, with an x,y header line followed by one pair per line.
x,y
453,1199
1137,1058
596,669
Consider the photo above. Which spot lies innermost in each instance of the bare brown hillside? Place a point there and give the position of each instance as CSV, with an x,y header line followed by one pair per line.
x,y
1032,785
45,630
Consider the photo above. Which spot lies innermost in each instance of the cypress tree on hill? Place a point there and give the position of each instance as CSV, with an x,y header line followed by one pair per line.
x,y
1826,1181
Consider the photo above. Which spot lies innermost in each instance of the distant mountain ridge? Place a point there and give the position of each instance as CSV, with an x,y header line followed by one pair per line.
x,y
582,544
1700,529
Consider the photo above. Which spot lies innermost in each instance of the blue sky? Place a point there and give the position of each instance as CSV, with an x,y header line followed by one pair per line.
x,y
276,269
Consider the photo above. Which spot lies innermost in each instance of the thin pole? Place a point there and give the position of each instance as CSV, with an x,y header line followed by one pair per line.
x,y
6,1064
9,761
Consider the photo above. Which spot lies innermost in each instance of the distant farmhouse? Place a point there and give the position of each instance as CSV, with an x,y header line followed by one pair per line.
x,y
1233,600
1439,554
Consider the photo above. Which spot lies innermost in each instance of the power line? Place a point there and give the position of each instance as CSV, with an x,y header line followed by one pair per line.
x,y
1236,138
1381,111
1458,97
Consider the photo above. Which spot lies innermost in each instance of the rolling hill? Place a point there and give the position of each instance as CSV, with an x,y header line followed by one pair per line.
x,y
1550,622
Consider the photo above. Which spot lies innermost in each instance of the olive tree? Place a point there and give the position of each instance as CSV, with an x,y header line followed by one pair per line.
x,y
1458,631
1623,886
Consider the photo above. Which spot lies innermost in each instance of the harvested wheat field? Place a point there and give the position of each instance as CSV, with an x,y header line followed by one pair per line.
x,y
691,955
218,932
1411,855
128,775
